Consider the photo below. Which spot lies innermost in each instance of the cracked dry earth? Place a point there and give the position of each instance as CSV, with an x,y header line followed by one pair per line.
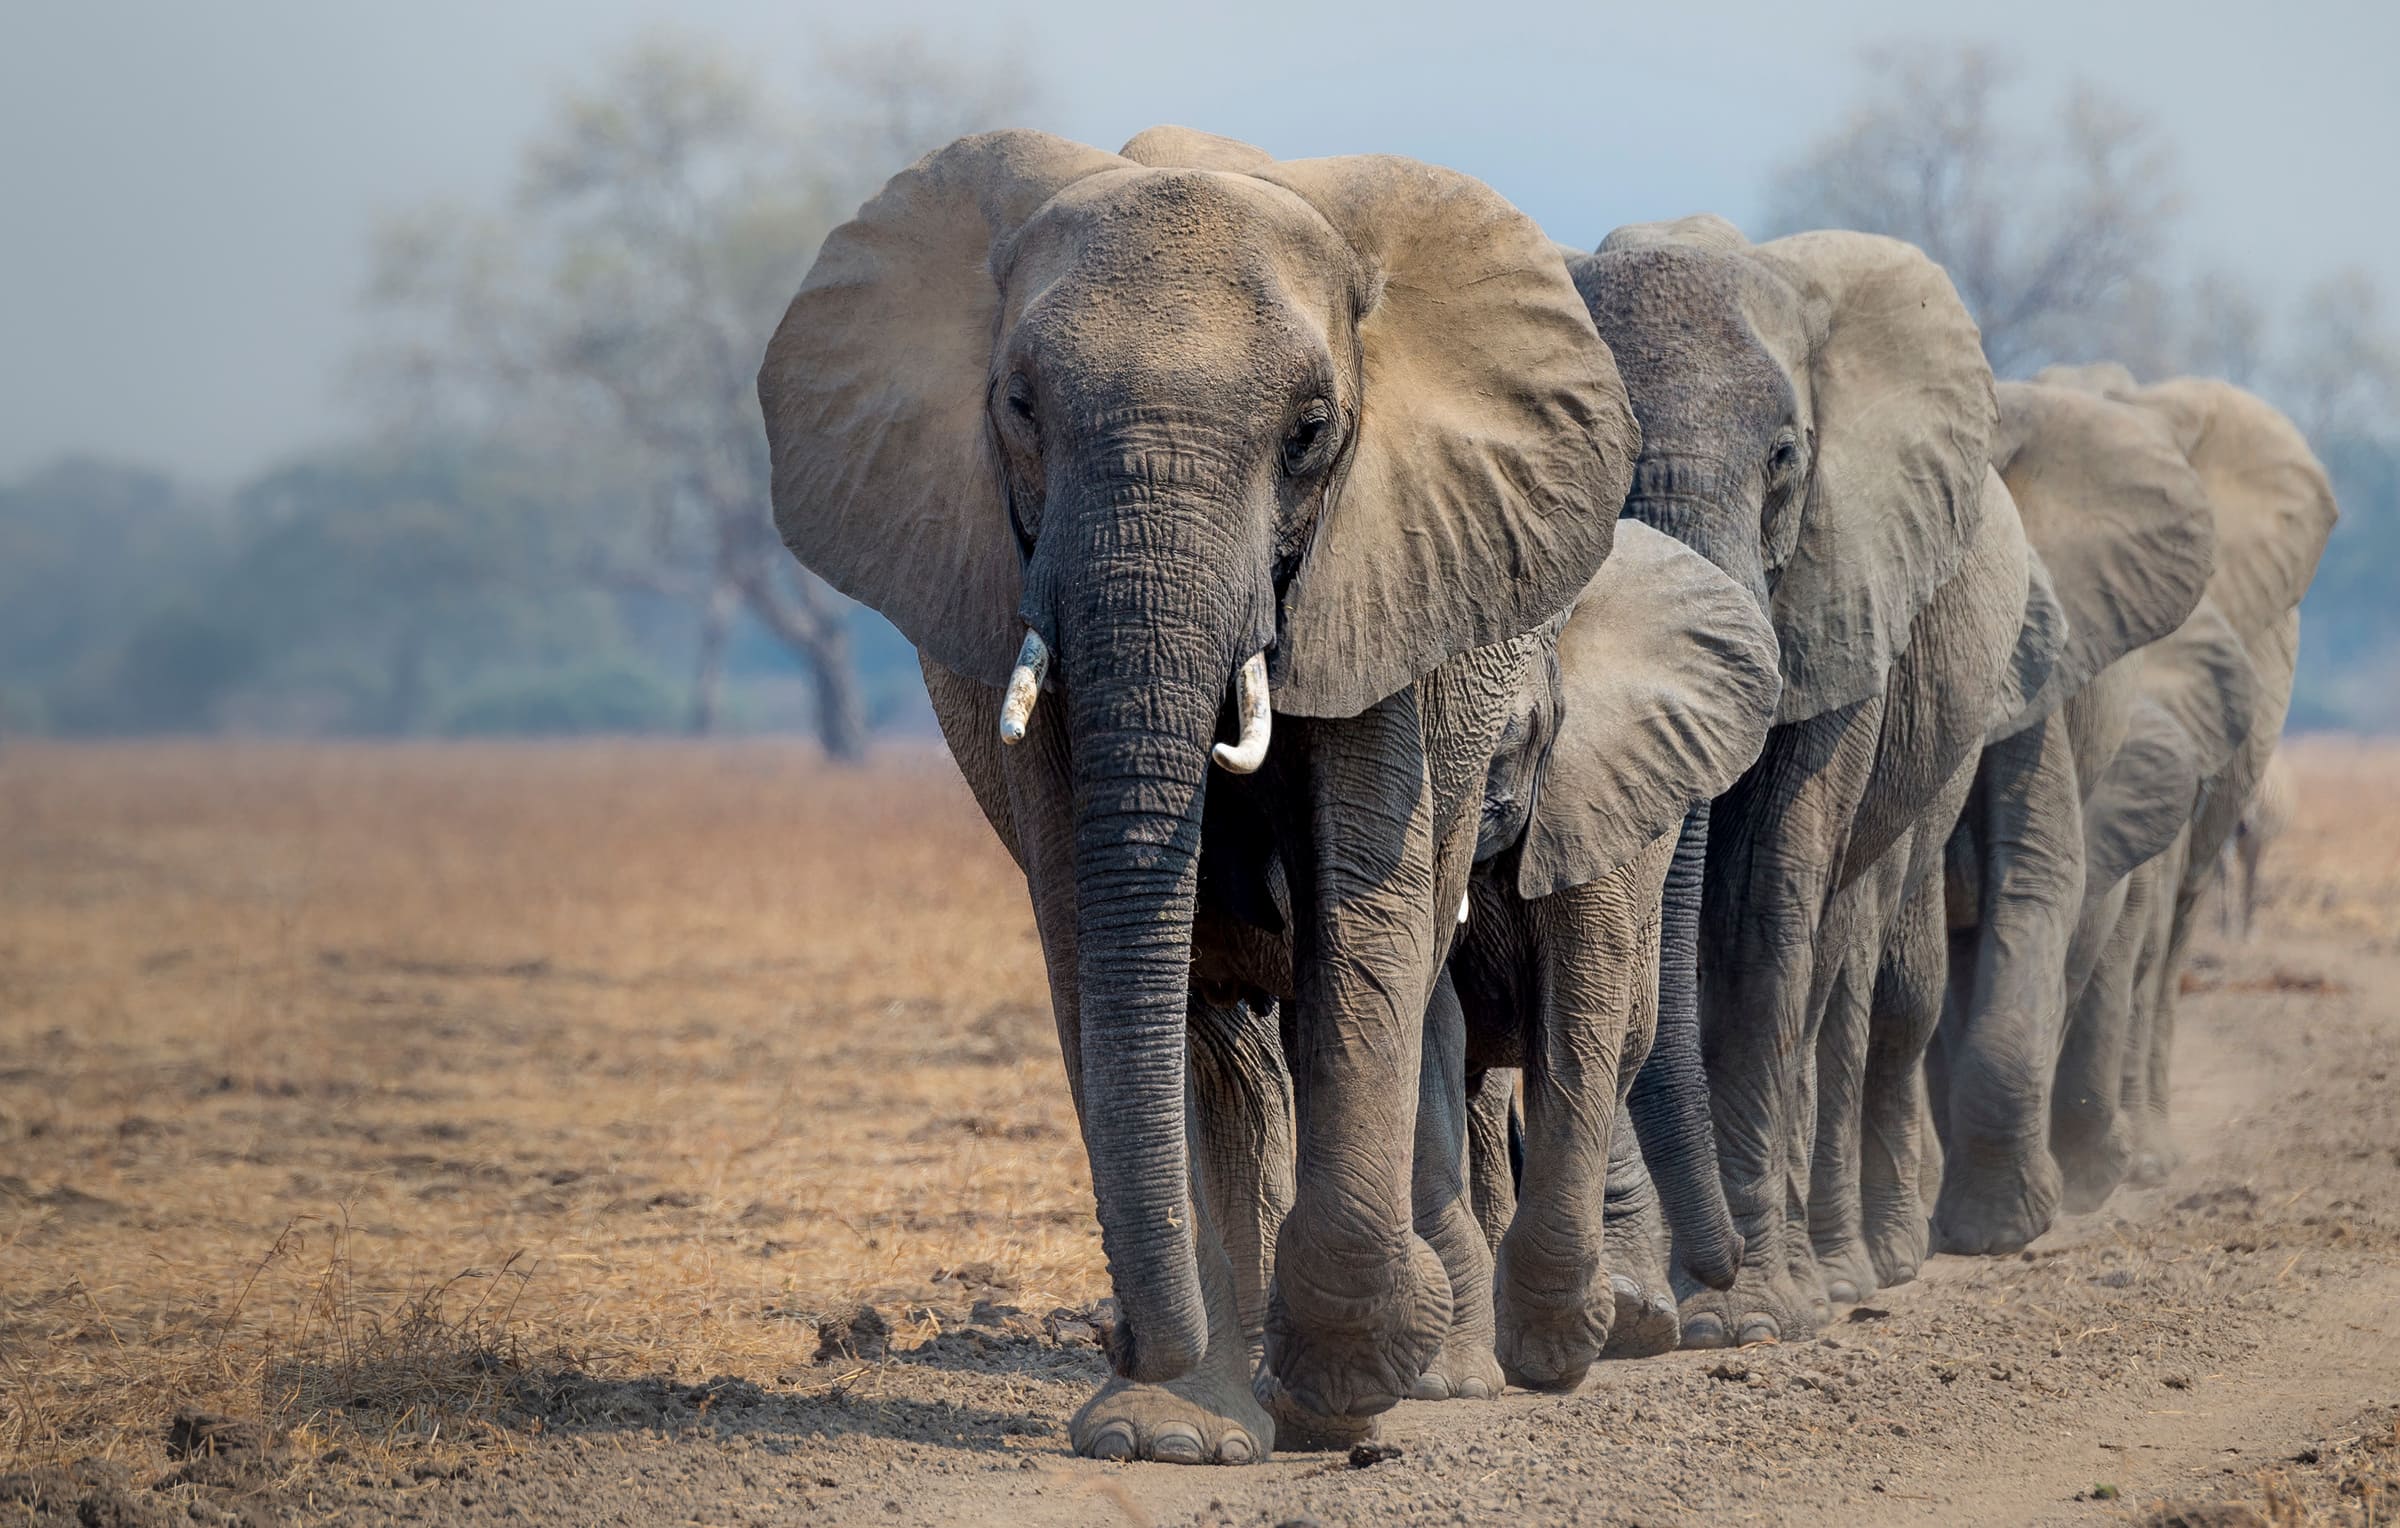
x,y
2222,1350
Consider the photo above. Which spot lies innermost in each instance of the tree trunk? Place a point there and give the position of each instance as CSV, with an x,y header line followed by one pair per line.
x,y
708,666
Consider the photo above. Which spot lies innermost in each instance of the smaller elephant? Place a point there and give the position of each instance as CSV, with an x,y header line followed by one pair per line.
x,y
1665,683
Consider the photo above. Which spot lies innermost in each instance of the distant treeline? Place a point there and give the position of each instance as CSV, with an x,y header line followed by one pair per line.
x,y
422,591
448,590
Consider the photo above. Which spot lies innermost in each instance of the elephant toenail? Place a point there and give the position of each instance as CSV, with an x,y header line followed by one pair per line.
x,y
1760,1328
1429,1387
1842,1292
1704,1332
1177,1443
1238,1448
1474,1390
1115,1441
1623,1287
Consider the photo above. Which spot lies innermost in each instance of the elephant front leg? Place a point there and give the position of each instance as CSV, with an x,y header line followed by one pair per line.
x,y
1895,1136
1645,1324
1465,1369
2090,1137
1594,985
1361,1303
2002,1186
1775,842
1242,1097
1835,1231
1211,1415
1492,1148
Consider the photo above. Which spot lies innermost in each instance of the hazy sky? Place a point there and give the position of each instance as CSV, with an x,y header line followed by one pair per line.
x,y
186,187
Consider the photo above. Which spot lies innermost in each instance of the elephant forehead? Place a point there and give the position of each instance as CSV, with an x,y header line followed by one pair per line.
x,y
1139,230
1687,326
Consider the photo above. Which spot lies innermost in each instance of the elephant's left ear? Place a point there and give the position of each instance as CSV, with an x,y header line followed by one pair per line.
x,y
1668,678
2116,514
2273,505
1494,440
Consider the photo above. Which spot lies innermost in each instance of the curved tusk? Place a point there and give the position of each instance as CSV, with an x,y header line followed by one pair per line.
x,y
1250,703
1024,688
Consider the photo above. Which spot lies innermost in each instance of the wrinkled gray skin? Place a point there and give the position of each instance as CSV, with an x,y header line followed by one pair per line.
x,y
1664,684
2212,700
1815,417
1167,410
2127,543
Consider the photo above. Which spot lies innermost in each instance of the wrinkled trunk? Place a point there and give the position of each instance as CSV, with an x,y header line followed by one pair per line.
x,y
1669,1099
1145,656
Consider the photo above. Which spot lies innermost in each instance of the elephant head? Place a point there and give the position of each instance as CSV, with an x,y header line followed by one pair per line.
x,y
1140,422
1815,414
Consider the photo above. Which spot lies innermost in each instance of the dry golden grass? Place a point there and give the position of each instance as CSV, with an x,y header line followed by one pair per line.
x,y
339,1086
335,1083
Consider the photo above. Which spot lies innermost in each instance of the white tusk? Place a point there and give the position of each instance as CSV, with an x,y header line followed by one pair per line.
x,y
1250,703
1462,906
1024,687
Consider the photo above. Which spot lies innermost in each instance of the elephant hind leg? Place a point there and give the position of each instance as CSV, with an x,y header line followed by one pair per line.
x,y
1907,1008
1242,1111
1646,1322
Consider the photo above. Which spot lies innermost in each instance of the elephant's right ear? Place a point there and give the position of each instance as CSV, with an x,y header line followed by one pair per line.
x,y
2118,516
1668,679
2197,692
886,479
1900,398
1494,441
2274,507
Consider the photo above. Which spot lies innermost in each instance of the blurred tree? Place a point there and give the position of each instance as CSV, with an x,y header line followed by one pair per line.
x,y
616,313
2045,233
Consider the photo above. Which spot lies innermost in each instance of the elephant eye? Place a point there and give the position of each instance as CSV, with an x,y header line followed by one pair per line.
x,y
1019,396
1311,430
1783,457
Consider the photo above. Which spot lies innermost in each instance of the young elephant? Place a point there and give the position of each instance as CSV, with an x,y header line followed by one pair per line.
x,y
1665,682
1816,414
1114,439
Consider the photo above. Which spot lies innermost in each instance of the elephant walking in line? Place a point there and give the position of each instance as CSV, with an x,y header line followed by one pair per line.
x,y
2126,543
1145,452
1665,682
2263,821
1816,416
2223,680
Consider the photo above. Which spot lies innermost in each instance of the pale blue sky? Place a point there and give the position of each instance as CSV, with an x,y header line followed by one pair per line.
x,y
185,188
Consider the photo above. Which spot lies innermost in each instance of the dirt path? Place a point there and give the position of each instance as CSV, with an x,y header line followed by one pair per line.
x,y
2170,1346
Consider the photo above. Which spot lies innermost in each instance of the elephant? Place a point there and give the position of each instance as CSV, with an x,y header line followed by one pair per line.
x,y
2224,680
2125,542
2264,820
1816,414
1665,681
1187,456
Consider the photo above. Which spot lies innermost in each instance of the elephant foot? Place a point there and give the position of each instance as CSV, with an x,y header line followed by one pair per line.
x,y
1898,1249
1301,1431
1465,1370
1991,1211
1356,1350
1762,1306
2091,1169
1646,1323
2154,1157
1550,1344
1848,1270
1210,1417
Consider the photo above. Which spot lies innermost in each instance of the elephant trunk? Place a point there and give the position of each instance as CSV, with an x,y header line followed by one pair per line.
x,y
1146,659
1669,1099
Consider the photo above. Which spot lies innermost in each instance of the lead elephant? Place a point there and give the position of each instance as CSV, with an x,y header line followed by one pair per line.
x,y
1816,414
1144,423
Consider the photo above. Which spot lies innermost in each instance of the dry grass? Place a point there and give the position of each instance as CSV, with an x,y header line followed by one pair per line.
x,y
343,1089
339,1084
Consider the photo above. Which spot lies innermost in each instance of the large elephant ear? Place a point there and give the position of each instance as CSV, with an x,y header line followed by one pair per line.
x,y
886,480
2027,693
2202,675
1668,680
1168,147
2115,512
1900,401
1494,439
2274,507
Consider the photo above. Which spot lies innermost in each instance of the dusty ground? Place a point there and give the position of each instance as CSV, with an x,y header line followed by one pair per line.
x,y
443,1134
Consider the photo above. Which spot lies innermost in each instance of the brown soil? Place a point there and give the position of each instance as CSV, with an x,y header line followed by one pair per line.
x,y
433,1135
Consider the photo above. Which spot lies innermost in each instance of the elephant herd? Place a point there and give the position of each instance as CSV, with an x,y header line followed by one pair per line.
x,y
1574,803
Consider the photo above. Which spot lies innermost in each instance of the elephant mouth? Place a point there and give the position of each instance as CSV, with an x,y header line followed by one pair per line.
x,y
1253,706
